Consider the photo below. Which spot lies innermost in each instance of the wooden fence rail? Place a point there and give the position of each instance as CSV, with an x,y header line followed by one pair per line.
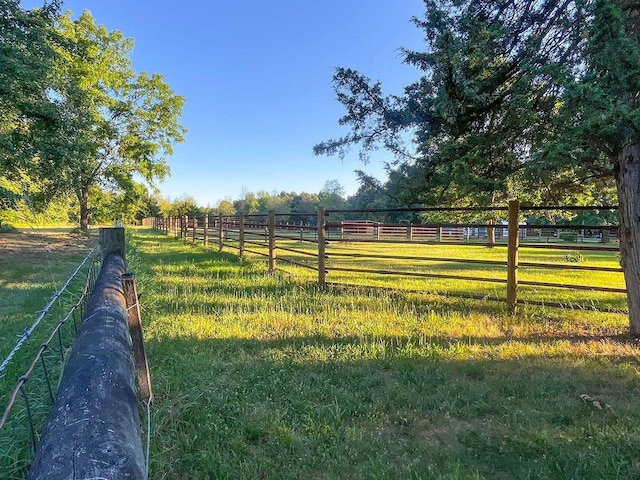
x,y
266,235
93,430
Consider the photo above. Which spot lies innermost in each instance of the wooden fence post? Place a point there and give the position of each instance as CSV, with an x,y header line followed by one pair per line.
x,y
112,241
194,226
322,272
512,255
205,238
135,330
271,226
220,233
241,240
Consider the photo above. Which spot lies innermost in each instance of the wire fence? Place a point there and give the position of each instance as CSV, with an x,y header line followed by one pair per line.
x,y
36,386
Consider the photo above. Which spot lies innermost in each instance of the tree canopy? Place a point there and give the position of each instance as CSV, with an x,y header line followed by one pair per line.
x,y
29,115
495,110
534,99
121,124
76,117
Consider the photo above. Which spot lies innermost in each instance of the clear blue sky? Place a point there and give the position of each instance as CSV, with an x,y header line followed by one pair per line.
x,y
257,79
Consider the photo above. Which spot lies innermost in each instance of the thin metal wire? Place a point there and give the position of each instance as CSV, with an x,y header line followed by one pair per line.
x,y
27,333
60,346
46,376
31,429
147,404
43,347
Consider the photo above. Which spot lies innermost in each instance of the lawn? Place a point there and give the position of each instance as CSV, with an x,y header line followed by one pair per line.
x,y
260,375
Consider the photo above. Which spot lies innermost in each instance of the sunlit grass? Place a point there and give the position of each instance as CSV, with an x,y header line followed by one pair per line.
x,y
473,272
260,375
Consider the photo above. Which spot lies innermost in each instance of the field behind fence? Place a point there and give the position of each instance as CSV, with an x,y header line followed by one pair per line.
x,y
508,260
262,374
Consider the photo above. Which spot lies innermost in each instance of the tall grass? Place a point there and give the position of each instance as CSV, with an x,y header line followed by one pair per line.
x,y
260,375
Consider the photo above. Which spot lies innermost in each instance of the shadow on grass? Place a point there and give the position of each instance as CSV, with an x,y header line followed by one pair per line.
x,y
369,405
318,407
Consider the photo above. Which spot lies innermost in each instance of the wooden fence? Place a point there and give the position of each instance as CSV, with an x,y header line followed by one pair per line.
x,y
310,244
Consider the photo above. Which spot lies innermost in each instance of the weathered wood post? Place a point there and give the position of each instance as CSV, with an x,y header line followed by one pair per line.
x,y
512,255
205,238
271,226
241,246
135,329
112,241
194,227
410,232
220,233
93,429
322,272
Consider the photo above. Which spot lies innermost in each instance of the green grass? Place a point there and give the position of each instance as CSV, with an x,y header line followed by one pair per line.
x,y
260,375
571,298
33,266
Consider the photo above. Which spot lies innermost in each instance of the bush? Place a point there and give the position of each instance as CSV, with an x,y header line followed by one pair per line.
x,y
569,236
7,228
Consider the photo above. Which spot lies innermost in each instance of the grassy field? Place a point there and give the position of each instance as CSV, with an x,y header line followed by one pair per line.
x,y
474,273
267,376
33,265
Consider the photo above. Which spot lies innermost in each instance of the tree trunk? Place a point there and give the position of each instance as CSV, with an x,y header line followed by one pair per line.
x,y
491,234
628,184
83,199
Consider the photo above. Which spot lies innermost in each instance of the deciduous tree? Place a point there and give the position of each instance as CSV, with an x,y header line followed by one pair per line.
x,y
29,114
120,125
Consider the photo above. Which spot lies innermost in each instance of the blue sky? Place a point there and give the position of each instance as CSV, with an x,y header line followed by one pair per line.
x,y
257,79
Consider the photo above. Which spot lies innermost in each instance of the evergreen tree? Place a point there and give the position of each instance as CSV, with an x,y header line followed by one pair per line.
x,y
536,99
